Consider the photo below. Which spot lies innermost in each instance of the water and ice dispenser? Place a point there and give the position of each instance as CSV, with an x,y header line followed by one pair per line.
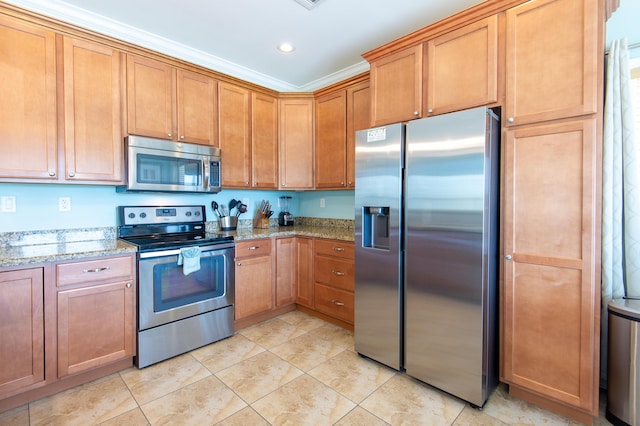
x,y
375,227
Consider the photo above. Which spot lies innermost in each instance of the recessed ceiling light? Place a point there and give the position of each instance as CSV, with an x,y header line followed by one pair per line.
x,y
286,47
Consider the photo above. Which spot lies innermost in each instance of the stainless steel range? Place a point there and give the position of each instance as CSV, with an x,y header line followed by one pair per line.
x,y
185,279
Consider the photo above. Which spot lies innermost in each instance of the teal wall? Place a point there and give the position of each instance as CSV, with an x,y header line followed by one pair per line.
x,y
95,206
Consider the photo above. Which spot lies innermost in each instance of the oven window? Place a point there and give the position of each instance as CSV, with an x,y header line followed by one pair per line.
x,y
173,289
156,169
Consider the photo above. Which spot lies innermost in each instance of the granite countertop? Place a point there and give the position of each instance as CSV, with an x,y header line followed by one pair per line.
x,y
23,248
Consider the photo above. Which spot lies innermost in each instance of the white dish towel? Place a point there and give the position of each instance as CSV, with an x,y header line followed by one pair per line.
x,y
189,258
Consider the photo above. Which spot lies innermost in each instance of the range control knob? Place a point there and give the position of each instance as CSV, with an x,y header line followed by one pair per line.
x,y
143,215
188,214
132,215
197,213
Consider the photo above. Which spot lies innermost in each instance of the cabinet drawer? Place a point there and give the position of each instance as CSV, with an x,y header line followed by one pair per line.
x,y
93,270
253,248
343,249
336,303
335,272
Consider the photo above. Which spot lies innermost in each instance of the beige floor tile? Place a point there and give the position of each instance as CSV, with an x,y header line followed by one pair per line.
x,y
130,418
272,333
360,417
402,400
91,403
473,417
335,334
225,353
351,375
307,351
201,403
244,417
18,416
512,410
304,401
165,377
257,376
302,320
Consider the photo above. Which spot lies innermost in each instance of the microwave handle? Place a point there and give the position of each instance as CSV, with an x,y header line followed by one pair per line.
x,y
206,173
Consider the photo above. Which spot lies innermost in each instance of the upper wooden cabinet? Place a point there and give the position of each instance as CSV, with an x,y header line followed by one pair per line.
x,y
93,93
28,131
166,103
264,141
462,68
295,145
396,86
358,118
331,140
234,136
552,73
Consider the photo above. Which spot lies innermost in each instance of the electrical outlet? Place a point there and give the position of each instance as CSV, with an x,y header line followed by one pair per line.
x,y
8,204
322,203
64,204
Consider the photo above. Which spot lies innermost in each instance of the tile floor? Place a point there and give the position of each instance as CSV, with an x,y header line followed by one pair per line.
x,y
292,370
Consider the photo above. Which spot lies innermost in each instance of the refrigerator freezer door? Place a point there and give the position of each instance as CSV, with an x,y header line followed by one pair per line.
x,y
377,244
450,251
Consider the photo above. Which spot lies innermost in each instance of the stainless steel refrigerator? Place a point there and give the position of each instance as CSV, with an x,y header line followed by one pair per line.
x,y
426,236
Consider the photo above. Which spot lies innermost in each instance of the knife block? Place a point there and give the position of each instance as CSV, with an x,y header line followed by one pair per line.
x,y
259,221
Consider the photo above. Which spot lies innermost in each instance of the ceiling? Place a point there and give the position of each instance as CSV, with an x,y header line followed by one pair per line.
x,y
239,37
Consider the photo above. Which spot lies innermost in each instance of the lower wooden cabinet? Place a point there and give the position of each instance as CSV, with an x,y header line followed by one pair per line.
x,y
285,271
254,278
22,330
304,271
96,314
334,279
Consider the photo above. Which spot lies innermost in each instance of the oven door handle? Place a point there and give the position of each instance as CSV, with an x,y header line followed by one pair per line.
x,y
175,252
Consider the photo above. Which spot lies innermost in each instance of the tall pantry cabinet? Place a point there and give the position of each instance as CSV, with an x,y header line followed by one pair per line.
x,y
550,297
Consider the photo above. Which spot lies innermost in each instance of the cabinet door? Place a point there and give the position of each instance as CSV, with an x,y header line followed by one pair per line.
x,y
551,74
150,98
22,329
285,271
254,286
304,271
96,326
233,135
462,68
264,141
196,108
331,143
396,86
358,118
28,109
92,112
295,150
550,298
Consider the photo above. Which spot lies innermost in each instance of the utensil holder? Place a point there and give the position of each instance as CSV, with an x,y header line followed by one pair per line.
x,y
229,223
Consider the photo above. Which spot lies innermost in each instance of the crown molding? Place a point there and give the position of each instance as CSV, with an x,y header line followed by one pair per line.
x,y
83,18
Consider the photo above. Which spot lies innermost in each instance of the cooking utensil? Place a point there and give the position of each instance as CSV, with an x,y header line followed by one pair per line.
x,y
223,208
232,204
214,206
241,208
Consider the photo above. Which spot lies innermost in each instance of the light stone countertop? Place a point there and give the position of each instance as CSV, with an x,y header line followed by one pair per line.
x,y
24,248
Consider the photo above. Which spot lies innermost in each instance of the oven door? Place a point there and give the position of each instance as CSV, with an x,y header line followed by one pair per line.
x,y
166,294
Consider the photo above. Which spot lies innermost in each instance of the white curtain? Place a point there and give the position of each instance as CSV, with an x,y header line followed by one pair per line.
x,y
620,191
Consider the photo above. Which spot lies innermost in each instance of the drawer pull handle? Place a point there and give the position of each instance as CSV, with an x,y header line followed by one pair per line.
x,y
338,248
337,302
338,273
97,269
254,247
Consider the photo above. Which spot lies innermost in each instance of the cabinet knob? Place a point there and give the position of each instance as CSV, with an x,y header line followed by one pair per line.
x,y
182,137
169,135
430,110
128,285
239,264
71,174
342,183
247,183
510,120
283,184
508,257
416,113
350,183
52,173
337,302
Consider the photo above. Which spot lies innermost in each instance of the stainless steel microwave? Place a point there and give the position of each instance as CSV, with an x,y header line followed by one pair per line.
x,y
163,166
